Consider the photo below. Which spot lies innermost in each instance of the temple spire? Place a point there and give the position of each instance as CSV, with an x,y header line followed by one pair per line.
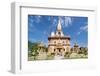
x,y
59,31
59,28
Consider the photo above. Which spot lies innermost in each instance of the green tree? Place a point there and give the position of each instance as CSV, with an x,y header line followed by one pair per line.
x,y
32,48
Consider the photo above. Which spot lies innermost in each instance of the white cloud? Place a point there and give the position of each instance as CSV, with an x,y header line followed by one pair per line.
x,y
31,27
49,18
83,29
31,24
38,18
78,33
31,20
54,21
46,33
66,21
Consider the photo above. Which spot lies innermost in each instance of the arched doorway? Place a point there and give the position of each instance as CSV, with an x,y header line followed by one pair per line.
x,y
59,50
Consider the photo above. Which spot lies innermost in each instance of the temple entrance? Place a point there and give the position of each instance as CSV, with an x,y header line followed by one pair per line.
x,y
59,49
59,53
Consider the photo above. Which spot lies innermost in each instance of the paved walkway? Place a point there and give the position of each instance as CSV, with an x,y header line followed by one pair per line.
x,y
58,57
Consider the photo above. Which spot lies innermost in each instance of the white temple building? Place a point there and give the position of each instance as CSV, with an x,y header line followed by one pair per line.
x,y
58,43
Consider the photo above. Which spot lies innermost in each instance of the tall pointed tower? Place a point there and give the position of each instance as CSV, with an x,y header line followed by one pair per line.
x,y
59,28
59,31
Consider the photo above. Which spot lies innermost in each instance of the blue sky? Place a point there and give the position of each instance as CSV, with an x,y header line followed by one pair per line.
x,y
40,27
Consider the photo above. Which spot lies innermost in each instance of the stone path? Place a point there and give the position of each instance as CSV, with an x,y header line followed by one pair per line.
x,y
58,57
